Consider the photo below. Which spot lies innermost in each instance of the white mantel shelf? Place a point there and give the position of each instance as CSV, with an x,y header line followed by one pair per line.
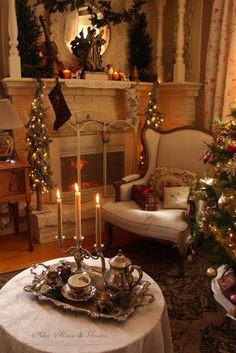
x,y
69,83
97,84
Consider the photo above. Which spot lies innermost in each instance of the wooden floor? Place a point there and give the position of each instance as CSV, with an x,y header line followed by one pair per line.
x,y
14,254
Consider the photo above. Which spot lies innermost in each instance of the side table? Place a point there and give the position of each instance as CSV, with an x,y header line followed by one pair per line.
x,y
30,326
14,188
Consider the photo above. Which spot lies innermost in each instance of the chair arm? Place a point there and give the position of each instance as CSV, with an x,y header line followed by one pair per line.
x,y
123,187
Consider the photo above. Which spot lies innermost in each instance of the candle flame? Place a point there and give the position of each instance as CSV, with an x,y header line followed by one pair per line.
x,y
76,187
58,194
97,199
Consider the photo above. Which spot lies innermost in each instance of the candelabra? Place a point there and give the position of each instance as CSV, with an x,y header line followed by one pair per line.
x,y
81,253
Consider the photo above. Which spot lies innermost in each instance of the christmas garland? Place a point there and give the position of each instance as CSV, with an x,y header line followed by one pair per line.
x,y
113,17
109,16
60,5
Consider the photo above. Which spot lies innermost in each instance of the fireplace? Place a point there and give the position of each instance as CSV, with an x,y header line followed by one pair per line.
x,y
99,166
106,102
91,169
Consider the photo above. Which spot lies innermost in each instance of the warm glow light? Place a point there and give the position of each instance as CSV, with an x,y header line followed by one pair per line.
x,y
58,194
76,187
97,199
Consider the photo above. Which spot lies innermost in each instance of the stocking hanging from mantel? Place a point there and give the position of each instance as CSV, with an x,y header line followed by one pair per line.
x,y
60,106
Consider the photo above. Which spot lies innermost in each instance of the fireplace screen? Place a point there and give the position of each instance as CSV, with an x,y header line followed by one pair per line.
x,y
91,167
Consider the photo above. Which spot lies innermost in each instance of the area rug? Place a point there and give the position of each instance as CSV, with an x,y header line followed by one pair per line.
x,y
198,323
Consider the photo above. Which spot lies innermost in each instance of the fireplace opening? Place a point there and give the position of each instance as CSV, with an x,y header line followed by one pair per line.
x,y
91,168
100,164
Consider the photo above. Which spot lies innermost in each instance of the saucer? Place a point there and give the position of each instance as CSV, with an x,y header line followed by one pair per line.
x,y
66,293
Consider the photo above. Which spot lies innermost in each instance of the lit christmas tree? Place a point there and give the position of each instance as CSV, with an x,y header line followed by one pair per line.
x,y
154,119
38,140
218,192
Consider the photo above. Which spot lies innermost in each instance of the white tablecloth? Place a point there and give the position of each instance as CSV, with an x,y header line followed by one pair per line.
x,y
28,326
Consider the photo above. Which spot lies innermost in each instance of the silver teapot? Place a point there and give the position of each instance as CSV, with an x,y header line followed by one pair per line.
x,y
120,275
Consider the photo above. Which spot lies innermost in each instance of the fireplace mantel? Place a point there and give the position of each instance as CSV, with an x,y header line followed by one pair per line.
x,y
15,86
176,100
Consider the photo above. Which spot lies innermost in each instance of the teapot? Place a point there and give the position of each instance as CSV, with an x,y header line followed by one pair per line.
x,y
120,275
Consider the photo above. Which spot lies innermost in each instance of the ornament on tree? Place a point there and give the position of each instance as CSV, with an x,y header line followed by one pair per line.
x,y
211,272
60,106
234,225
223,201
232,298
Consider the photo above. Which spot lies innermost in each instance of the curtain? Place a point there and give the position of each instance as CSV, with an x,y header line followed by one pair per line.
x,y
220,78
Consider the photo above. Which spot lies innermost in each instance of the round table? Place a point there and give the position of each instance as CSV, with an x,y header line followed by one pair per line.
x,y
29,326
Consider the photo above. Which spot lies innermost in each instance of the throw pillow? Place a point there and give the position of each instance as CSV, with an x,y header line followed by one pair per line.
x,y
168,177
145,197
176,197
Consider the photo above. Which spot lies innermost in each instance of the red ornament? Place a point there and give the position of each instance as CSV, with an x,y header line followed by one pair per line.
x,y
232,298
231,149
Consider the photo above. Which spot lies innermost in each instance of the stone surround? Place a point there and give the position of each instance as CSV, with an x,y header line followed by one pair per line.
x,y
105,101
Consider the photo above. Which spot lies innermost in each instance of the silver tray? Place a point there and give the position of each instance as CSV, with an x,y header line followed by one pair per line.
x,y
119,306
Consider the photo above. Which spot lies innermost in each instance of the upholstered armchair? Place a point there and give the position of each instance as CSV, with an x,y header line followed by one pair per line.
x,y
171,164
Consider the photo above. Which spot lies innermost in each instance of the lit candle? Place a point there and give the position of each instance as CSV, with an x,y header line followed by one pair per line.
x,y
77,213
115,75
66,73
98,224
59,215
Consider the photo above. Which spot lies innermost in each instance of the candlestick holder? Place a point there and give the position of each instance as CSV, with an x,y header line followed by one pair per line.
x,y
81,253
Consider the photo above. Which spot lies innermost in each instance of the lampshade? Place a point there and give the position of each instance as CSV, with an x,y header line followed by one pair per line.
x,y
9,118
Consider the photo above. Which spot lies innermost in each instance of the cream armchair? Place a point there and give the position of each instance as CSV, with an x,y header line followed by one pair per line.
x,y
179,148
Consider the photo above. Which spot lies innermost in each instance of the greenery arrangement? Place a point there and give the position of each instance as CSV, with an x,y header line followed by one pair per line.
x,y
60,5
216,226
109,16
38,140
29,46
140,48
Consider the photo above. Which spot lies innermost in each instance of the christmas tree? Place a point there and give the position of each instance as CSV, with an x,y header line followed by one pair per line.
x,y
29,33
217,191
38,140
154,119
140,49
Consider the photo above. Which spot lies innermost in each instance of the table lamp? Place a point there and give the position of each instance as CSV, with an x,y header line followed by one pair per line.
x,y
9,120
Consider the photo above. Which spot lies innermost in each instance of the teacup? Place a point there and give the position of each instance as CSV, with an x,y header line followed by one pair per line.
x,y
79,284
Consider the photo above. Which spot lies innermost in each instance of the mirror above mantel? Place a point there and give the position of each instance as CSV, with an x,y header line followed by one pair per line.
x,y
65,26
